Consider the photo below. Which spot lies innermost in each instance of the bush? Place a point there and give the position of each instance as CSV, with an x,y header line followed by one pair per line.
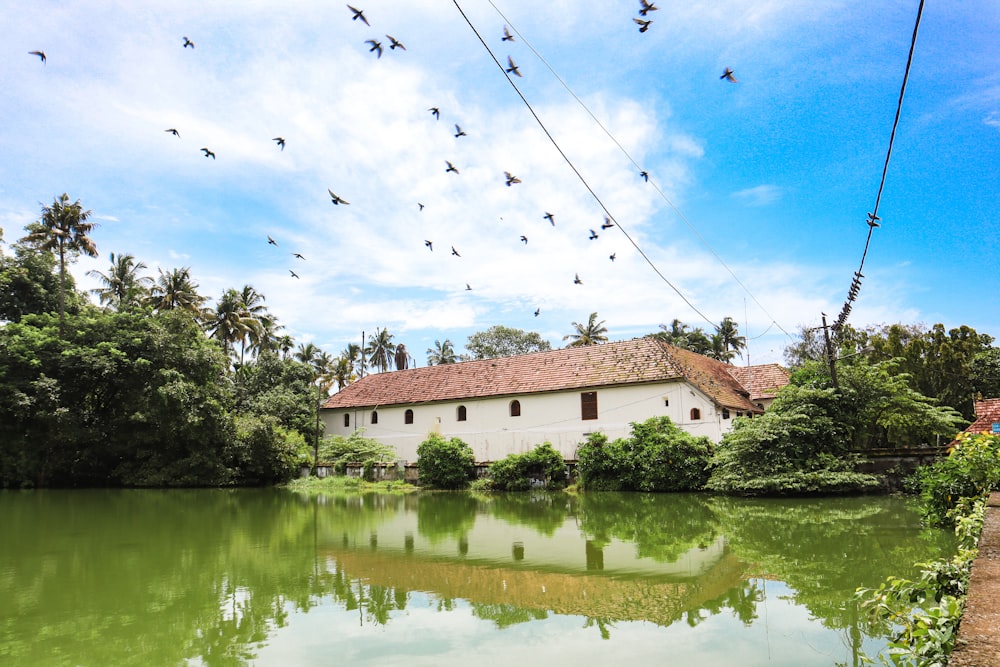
x,y
355,448
659,456
971,470
516,472
445,464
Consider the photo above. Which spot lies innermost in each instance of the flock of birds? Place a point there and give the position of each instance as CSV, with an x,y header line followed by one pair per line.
x,y
376,46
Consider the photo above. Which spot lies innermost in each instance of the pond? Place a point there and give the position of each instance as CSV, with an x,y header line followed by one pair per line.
x,y
272,577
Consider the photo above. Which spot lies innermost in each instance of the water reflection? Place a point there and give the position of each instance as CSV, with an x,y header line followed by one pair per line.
x,y
215,577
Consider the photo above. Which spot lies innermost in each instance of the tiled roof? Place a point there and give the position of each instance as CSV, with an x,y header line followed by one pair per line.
x,y
763,380
625,362
987,414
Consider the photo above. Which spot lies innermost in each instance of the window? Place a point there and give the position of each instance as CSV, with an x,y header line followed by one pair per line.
x,y
408,417
725,413
515,408
695,414
666,402
461,413
347,419
374,416
588,405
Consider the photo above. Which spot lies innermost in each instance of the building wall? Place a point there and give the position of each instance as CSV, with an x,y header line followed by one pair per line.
x,y
551,417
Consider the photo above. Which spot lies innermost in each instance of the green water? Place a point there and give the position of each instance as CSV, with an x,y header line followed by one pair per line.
x,y
270,577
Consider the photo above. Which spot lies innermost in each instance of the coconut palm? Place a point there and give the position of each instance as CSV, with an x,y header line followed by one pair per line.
x,y
380,349
228,322
591,333
352,353
260,322
342,373
730,340
285,343
63,230
676,333
176,291
441,353
307,353
121,287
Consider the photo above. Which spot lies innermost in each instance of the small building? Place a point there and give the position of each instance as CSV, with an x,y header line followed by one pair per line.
x,y
512,404
763,381
987,417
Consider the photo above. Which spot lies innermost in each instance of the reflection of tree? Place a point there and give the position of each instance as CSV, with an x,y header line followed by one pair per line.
x,y
603,625
442,515
506,615
742,600
543,511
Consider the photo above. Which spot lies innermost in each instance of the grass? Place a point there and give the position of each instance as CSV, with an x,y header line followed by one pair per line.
x,y
340,484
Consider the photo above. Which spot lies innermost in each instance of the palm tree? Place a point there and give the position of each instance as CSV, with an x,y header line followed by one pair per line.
x,y
63,230
229,323
342,373
307,353
323,366
352,353
591,333
380,349
285,344
728,332
123,287
676,333
260,322
176,291
441,353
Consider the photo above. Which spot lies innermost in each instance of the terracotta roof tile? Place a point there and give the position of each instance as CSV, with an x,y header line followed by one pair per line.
x,y
625,362
763,380
987,414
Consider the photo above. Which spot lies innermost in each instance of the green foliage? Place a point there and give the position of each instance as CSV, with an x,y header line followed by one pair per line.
x,y
501,341
971,470
984,373
518,472
29,285
355,448
445,464
266,452
658,456
280,388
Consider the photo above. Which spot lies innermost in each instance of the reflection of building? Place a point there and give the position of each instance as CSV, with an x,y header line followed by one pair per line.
x,y
511,404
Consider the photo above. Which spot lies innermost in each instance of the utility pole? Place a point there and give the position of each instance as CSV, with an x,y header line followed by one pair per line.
x,y
829,353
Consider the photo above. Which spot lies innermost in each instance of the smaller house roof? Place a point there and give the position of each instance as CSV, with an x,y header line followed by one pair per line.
x,y
763,380
987,414
640,360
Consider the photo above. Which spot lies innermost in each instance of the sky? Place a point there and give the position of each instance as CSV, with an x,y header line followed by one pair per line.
x,y
755,206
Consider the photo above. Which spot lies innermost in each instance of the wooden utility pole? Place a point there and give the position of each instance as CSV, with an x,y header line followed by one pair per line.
x,y
829,353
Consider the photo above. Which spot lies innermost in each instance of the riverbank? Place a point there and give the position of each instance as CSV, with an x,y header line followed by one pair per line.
x,y
979,632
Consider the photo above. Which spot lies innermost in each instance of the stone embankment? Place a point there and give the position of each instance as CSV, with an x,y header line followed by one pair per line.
x,y
979,633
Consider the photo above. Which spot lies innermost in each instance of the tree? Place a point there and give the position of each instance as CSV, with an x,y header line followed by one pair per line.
x,y
30,285
984,372
681,335
176,291
501,341
343,372
261,324
229,323
63,230
380,350
441,353
122,287
591,333
730,340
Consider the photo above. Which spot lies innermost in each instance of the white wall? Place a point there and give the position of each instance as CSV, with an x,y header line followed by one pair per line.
x,y
551,417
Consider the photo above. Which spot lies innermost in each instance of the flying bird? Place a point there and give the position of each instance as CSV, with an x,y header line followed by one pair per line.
x,y
376,46
728,76
395,43
435,112
174,132
429,244
40,54
576,280
451,167
271,241
607,223
297,255
645,175
643,24
647,7
511,178
537,311
551,218
524,239
468,287
294,275
507,37
188,43
612,256
459,132
593,235
208,153
358,14
512,68
454,252
337,201
280,141
420,205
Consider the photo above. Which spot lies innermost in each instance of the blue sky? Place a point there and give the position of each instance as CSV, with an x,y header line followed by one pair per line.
x,y
755,207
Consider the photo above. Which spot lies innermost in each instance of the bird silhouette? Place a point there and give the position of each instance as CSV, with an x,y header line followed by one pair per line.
x,y
208,153
454,252
459,132
576,280
645,175
524,239
376,46
435,112
420,205
188,43
512,68
297,255
271,241
593,235
174,132
551,218
40,54
511,178
280,141
395,43
468,288
873,220
294,275
429,244
507,37
612,256
728,76
643,24
358,14
538,311
647,7
607,223
451,167
337,201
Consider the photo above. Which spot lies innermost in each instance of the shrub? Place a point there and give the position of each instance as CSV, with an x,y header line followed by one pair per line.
x,y
445,464
971,470
355,448
516,471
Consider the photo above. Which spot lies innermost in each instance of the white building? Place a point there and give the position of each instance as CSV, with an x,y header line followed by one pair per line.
x,y
512,404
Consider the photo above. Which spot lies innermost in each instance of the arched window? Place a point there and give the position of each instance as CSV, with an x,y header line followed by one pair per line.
x,y
374,416
515,408
347,419
725,413
408,417
461,413
695,414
